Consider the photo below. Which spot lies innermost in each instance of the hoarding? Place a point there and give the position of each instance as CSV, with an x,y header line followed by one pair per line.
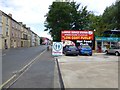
x,y
77,35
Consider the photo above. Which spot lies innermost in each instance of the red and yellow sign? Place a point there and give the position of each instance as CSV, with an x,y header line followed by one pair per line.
x,y
76,35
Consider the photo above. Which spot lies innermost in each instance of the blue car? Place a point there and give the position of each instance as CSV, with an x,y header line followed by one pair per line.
x,y
85,50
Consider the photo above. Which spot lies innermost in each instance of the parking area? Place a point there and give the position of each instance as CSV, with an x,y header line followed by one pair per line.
x,y
96,71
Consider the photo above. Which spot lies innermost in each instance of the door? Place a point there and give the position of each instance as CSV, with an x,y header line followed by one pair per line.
x,y
6,47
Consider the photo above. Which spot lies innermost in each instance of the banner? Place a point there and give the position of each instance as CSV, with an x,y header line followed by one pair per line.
x,y
77,35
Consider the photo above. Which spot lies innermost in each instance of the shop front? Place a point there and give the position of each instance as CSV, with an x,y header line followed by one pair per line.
x,y
103,43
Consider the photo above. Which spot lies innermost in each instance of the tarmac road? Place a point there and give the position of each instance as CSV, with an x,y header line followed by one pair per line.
x,y
14,59
42,74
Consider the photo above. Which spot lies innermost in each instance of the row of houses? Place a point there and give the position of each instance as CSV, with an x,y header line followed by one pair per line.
x,y
14,34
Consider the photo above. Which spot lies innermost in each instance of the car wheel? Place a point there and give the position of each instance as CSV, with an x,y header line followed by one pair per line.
x,y
116,53
77,54
65,53
90,54
106,52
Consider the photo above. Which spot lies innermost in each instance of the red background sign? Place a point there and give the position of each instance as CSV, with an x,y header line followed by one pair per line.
x,y
76,35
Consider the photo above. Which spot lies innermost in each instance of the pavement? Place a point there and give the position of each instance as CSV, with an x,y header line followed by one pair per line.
x,y
97,71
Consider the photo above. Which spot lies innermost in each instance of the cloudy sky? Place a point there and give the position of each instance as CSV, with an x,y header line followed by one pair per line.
x,y
31,12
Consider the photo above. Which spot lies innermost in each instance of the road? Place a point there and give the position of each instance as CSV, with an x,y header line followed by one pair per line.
x,y
41,74
14,59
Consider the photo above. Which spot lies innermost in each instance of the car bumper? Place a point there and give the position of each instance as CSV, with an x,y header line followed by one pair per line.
x,y
86,52
72,52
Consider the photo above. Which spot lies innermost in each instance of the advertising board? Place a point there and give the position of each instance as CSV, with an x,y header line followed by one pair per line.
x,y
77,35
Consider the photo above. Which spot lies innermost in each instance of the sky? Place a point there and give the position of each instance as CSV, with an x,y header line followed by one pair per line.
x,y
32,12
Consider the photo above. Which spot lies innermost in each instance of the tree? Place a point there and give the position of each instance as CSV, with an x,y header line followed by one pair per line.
x,y
107,21
117,14
95,23
65,16
58,18
110,17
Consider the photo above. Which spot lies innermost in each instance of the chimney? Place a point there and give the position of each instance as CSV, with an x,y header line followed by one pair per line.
x,y
0,13
21,23
10,15
29,28
24,25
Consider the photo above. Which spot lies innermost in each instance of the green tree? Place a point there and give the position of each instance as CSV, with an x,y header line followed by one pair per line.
x,y
107,21
117,14
110,17
58,18
65,16
95,23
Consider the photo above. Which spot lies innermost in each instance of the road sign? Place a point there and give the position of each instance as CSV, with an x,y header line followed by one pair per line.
x,y
57,48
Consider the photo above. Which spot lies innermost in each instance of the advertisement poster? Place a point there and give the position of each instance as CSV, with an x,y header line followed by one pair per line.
x,y
77,35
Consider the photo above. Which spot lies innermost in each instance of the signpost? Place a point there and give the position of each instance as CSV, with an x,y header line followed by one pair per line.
x,y
57,48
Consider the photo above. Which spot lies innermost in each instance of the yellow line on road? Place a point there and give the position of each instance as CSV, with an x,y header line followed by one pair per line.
x,y
31,61
25,67
7,81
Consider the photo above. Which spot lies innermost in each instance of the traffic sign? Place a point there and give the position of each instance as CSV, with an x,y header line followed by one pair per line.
x,y
57,48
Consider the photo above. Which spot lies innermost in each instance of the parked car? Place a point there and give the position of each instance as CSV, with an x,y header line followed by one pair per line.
x,y
113,50
70,50
85,50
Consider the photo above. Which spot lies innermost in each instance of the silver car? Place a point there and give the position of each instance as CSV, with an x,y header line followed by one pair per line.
x,y
113,50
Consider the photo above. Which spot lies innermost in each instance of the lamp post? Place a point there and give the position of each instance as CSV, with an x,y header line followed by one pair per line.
x,y
94,41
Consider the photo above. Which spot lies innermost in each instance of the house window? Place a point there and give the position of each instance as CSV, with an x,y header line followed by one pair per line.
x,y
0,29
12,24
6,31
16,26
0,18
16,34
7,20
0,21
12,33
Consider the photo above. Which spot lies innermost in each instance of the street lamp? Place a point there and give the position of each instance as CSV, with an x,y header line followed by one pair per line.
x,y
95,43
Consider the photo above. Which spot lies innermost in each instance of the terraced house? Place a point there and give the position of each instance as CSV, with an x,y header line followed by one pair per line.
x,y
14,34
4,30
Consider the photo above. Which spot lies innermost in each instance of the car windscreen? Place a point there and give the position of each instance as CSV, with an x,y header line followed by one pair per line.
x,y
86,46
72,47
